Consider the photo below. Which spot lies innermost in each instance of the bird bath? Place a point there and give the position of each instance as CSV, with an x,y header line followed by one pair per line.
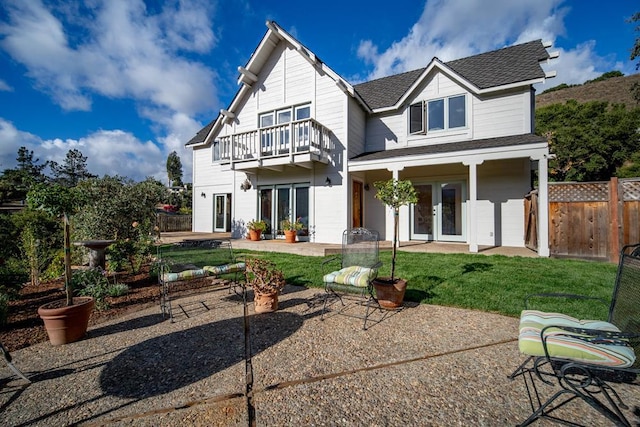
x,y
96,251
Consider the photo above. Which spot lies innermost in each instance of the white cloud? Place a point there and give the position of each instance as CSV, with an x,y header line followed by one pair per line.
x,y
108,152
454,29
12,139
118,49
5,87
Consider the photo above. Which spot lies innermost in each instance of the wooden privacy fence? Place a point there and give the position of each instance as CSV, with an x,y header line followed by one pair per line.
x,y
173,222
592,220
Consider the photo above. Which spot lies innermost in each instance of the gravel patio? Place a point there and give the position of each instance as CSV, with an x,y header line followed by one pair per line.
x,y
425,365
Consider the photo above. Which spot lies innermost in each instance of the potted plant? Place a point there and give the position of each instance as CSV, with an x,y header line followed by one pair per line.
x,y
394,194
255,229
66,320
266,281
291,229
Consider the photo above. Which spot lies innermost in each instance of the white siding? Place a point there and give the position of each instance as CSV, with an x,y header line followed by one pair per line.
x,y
501,115
501,189
356,125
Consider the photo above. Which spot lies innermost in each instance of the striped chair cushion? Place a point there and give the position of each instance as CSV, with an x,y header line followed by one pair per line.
x,y
223,269
207,270
567,345
354,276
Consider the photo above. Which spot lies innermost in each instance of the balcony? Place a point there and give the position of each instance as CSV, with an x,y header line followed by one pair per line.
x,y
299,143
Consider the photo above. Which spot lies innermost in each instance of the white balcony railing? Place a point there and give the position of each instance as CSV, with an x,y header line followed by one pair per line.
x,y
299,137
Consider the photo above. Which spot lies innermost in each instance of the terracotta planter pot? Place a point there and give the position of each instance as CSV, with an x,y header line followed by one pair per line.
x,y
66,324
265,303
255,235
390,294
290,236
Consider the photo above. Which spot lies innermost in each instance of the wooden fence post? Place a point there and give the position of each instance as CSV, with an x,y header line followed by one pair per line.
x,y
614,200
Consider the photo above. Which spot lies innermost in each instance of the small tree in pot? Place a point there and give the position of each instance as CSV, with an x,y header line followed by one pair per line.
x,y
394,194
69,321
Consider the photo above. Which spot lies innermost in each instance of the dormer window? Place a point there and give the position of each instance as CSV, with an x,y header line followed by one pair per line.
x,y
437,115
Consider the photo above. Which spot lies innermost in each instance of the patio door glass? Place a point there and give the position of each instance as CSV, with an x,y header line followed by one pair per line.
x,y
266,214
280,202
440,212
422,213
451,216
222,212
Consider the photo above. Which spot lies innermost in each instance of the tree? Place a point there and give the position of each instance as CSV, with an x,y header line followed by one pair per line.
x,y
394,194
61,202
73,170
16,183
174,170
635,53
589,141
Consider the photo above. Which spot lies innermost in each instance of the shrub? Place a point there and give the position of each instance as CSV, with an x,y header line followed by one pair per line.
x,y
93,282
117,289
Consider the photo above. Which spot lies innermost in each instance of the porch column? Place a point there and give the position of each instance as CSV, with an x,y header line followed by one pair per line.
x,y
543,207
472,208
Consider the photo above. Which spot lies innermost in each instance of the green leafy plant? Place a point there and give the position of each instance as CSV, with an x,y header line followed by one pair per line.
x,y
257,225
394,194
94,282
296,225
133,252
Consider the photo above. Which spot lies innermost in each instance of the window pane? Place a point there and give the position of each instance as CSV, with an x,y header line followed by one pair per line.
x,y
284,116
303,112
436,114
456,112
415,118
266,120
216,150
302,209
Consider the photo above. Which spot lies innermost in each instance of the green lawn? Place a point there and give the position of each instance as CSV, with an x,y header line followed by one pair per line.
x,y
490,283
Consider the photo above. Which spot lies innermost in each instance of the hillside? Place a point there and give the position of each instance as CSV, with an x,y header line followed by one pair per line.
x,y
614,90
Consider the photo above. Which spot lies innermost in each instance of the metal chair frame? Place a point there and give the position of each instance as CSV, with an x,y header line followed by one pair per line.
x,y
175,258
9,361
360,247
581,380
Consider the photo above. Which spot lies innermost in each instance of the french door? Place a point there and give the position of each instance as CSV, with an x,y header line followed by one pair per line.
x,y
280,202
222,212
440,213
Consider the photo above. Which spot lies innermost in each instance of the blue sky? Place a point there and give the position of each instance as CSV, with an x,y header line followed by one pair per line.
x,y
128,81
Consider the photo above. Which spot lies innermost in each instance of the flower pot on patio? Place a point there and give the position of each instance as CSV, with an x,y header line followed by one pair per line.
x,y
265,303
66,323
290,236
255,235
390,293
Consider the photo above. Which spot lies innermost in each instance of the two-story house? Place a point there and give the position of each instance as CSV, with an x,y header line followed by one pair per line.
x,y
299,141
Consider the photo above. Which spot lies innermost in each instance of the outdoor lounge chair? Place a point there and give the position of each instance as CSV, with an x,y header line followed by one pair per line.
x,y
195,259
359,264
585,358
9,361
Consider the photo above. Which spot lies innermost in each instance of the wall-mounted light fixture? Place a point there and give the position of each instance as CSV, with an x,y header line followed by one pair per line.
x,y
203,195
327,181
246,185
366,187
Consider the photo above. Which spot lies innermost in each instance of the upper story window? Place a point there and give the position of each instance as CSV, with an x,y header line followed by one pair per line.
x,y
280,135
437,114
216,151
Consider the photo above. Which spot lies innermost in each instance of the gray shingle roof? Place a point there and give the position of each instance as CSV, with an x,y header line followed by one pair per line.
x,y
387,90
496,68
478,144
504,66
201,135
